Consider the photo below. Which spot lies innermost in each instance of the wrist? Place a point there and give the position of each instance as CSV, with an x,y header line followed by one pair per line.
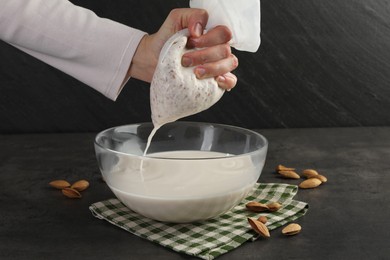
x,y
144,63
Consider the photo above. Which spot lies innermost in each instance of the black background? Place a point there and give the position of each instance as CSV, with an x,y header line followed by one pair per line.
x,y
320,64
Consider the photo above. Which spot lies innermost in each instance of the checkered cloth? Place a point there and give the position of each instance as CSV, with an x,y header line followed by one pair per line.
x,y
212,238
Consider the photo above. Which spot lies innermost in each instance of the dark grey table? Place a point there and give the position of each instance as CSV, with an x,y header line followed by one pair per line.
x,y
348,217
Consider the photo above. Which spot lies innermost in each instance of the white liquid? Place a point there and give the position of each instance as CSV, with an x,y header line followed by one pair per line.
x,y
168,186
150,137
180,177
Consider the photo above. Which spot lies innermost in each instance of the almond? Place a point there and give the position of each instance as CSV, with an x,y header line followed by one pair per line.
x,y
308,173
322,178
259,227
289,174
262,219
80,185
291,229
283,168
256,206
71,193
59,184
274,206
310,183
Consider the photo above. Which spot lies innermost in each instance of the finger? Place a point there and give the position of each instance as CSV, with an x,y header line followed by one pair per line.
x,y
227,81
197,21
192,18
206,55
218,35
213,69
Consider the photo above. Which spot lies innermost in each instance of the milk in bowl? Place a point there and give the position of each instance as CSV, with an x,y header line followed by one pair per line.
x,y
193,171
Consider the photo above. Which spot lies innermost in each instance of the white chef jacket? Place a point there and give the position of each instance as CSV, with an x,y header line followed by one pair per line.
x,y
94,50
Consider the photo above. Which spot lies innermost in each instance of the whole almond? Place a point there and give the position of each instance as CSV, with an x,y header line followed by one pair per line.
x,y
59,184
71,193
283,168
262,219
289,174
274,206
308,173
310,183
259,227
291,229
322,178
80,185
256,206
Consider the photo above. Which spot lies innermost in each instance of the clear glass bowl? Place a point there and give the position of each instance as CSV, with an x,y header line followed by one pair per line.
x,y
192,171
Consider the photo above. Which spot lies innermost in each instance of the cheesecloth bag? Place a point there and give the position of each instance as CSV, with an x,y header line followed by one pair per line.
x,y
175,91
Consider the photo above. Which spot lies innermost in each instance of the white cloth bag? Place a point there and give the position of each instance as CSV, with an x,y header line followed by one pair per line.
x,y
241,17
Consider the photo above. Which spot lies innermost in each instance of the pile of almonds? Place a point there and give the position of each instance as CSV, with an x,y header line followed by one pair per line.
x,y
313,178
258,225
70,191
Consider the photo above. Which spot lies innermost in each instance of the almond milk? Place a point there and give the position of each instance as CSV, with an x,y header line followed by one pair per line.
x,y
172,185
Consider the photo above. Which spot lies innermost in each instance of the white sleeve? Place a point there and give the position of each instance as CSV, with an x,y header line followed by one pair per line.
x,y
94,50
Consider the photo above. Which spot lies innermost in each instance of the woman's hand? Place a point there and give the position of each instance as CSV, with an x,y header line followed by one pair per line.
x,y
212,59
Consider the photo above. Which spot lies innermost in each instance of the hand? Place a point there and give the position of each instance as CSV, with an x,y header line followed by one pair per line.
x,y
212,59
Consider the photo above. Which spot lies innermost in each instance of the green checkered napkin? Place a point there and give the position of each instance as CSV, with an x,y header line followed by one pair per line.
x,y
211,238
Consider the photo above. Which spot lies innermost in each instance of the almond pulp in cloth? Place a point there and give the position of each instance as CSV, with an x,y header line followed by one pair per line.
x,y
175,91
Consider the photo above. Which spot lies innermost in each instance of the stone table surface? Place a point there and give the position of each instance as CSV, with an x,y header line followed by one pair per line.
x,y
348,217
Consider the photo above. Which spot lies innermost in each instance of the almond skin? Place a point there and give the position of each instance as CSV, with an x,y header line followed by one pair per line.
x,y
283,168
59,184
289,174
259,227
263,219
310,183
274,206
322,178
308,173
71,193
80,185
291,229
256,206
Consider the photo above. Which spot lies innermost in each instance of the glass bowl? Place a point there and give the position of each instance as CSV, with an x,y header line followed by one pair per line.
x,y
193,171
